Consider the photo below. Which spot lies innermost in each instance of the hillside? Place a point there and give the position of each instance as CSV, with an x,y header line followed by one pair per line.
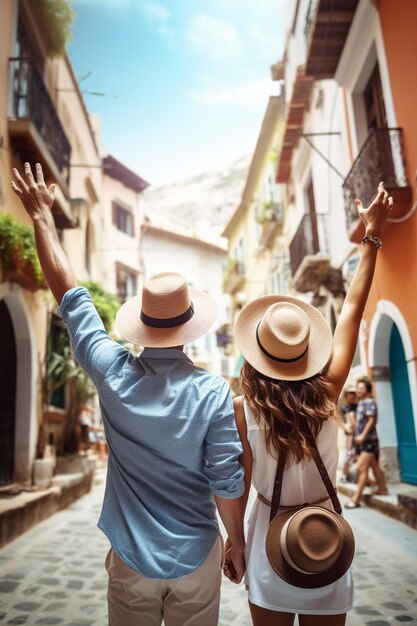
x,y
211,197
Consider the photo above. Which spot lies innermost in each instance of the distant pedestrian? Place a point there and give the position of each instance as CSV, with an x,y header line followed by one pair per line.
x,y
292,376
172,441
366,444
348,425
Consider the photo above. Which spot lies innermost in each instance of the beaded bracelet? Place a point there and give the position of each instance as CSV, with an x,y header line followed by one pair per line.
x,y
373,239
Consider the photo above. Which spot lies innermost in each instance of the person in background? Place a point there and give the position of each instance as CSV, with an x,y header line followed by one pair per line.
x,y
366,444
348,424
173,447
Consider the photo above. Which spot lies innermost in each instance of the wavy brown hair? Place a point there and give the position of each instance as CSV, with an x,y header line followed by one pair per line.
x,y
290,409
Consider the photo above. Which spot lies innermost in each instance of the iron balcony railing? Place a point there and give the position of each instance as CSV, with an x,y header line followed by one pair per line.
x,y
31,101
310,238
380,159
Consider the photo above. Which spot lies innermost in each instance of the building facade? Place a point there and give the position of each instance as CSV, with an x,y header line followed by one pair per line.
x,y
42,119
255,260
349,124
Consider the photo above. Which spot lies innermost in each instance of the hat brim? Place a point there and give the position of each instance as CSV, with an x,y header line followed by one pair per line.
x,y
293,576
319,346
131,327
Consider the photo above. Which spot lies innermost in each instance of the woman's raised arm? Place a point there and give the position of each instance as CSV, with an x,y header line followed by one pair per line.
x,y
347,328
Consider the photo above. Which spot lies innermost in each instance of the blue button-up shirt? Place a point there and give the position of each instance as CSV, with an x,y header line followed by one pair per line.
x,y
172,445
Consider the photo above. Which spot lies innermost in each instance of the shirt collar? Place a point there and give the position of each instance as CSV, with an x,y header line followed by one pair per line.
x,y
164,353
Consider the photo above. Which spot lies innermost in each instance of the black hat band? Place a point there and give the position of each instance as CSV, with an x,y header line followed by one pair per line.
x,y
168,322
275,358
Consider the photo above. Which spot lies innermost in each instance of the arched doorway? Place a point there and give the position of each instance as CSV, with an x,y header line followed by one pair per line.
x,y
393,364
19,326
8,365
404,420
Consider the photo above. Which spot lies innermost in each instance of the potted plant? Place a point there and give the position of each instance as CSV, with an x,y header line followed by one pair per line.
x,y
18,254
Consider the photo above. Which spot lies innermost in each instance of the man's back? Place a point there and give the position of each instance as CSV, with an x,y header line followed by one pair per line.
x,y
172,444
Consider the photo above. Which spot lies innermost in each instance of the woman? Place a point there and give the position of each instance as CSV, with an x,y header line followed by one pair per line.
x,y
292,377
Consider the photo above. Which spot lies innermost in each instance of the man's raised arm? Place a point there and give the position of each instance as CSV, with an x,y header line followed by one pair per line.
x,y
38,199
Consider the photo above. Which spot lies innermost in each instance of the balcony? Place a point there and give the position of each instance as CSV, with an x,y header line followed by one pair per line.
x,y
234,276
36,133
271,218
309,258
327,27
381,158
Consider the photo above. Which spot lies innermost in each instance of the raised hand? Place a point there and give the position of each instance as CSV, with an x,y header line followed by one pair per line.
x,y
377,212
35,196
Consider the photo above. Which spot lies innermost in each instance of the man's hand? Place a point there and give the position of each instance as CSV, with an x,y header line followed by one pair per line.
x,y
35,196
38,199
234,564
376,214
359,440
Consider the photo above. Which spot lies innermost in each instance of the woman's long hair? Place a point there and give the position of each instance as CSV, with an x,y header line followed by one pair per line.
x,y
290,410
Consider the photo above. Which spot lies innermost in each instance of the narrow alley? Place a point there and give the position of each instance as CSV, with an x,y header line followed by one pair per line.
x,y
54,574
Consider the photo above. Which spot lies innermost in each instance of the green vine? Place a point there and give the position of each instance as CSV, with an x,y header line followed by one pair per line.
x,y
232,263
56,18
106,303
18,249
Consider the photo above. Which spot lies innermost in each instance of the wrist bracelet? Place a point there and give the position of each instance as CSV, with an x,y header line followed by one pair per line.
x,y
373,239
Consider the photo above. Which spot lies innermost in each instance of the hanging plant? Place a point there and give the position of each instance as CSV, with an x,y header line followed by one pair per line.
x,y
18,253
56,20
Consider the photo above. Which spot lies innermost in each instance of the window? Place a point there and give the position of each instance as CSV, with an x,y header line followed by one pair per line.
x,y
126,283
373,98
123,219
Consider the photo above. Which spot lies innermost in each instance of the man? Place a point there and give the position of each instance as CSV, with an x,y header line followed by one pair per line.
x,y
348,411
366,443
171,437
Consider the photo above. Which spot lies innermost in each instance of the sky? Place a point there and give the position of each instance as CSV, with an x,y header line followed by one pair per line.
x,y
191,79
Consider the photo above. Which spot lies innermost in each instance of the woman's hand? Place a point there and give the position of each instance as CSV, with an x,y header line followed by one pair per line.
x,y
376,214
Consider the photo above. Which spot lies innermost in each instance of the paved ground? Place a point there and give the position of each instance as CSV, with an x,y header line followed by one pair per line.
x,y
54,574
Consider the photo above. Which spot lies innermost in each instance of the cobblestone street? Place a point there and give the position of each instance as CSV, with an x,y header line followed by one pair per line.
x,y
54,574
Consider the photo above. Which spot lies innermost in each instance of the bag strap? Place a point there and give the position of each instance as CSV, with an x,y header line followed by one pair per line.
x,y
276,496
282,459
325,476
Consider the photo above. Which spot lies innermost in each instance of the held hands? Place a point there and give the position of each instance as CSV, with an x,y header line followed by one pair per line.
x,y
375,215
36,197
234,563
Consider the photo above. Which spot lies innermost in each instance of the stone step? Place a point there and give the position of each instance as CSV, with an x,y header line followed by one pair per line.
x,y
400,504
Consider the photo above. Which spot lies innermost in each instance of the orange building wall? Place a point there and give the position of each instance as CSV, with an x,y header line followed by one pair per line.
x,y
396,273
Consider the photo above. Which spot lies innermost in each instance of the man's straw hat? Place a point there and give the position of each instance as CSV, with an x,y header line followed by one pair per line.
x,y
283,338
169,313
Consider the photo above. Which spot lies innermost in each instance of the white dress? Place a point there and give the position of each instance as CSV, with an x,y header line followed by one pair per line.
x,y
301,483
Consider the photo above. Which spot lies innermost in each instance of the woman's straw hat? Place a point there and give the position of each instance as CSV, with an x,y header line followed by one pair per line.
x,y
283,338
169,313
310,547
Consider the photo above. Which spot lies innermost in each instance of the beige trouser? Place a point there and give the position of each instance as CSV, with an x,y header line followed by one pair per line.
x,y
134,600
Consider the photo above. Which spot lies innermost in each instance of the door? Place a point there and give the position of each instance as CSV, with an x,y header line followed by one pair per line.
x,y
404,418
7,395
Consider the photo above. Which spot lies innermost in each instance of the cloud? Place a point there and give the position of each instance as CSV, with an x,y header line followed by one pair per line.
x,y
155,12
246,93
213,37
266,44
